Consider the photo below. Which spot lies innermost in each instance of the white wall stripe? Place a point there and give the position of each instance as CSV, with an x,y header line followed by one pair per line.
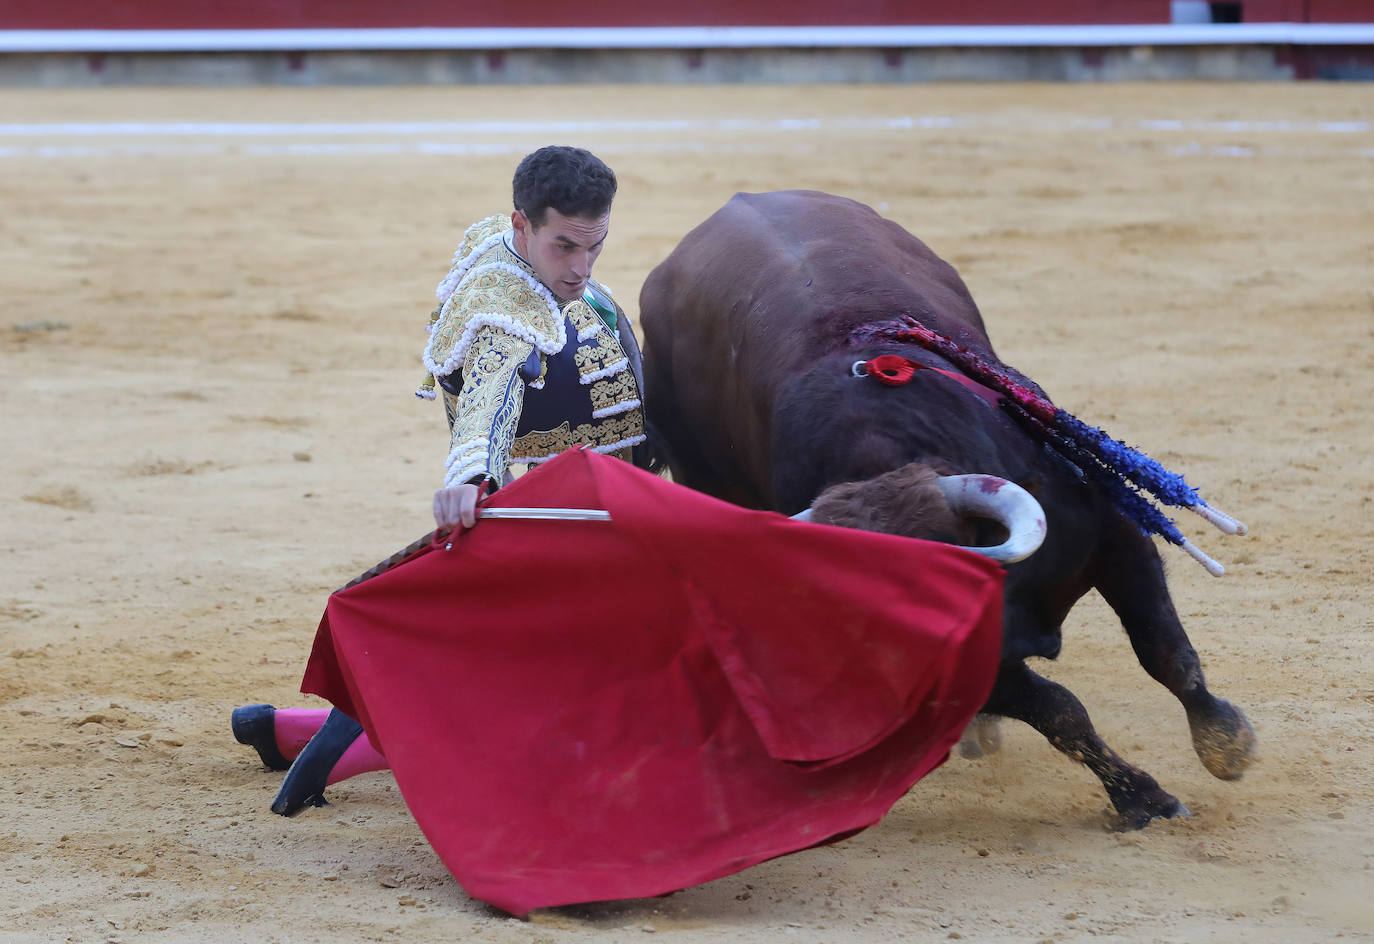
x,y
648,136
469,129
441,149
386,128
685,37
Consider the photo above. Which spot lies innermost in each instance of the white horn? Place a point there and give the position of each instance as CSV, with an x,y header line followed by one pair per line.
x,y
987,496
803,515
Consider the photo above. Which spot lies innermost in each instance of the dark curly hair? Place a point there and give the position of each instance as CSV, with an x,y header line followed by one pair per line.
x,y
573,181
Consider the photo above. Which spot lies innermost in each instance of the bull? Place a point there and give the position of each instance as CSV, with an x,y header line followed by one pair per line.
x,y
756,328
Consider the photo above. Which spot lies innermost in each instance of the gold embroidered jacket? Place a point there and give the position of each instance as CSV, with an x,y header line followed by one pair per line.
x,y
523,376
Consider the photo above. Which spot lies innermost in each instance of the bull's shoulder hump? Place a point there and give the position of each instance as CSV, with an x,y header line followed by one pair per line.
x,y
782,206
822,222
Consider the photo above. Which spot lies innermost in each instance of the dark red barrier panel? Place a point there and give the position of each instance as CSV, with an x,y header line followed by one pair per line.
x,y
1340,11
1273,11
1307,11
316,14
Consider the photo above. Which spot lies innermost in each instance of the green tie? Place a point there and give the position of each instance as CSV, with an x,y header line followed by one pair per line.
x,y
602,305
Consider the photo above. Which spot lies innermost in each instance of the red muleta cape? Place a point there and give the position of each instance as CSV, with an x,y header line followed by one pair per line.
x,y
580,711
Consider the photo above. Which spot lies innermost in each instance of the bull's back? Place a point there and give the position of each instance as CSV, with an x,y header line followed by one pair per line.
x,y
799,264
763,288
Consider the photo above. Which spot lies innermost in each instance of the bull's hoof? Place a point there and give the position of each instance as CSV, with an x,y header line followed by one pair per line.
x,y
1160,806
1139,799
982,736
1224,740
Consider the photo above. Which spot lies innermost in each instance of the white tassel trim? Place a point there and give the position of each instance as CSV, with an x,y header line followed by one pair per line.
x,y
499,320
490,319
425,394
536,384
591,331
464,451
605,372
459,267
533,283
613,447
464,461
459,476
616,408
540,288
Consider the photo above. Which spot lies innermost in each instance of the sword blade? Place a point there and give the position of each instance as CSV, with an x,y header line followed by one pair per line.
x,y
547,514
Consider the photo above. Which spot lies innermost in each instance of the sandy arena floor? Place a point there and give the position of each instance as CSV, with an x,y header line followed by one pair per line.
x,y
208,348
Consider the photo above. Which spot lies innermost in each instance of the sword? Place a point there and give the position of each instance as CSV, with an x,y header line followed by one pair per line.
x,y
539,514
550,514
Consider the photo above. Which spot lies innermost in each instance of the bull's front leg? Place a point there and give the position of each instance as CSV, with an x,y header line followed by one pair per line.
x,y
1056,713
1132,582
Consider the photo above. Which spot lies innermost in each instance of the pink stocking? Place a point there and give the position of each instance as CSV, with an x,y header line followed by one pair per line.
x,y
294,727
360,758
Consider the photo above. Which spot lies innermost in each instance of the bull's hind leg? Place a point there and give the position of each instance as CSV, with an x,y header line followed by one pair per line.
x,y
1132,583
982,736
1056,713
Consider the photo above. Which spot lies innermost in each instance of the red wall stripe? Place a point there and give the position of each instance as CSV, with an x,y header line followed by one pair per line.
x,y
304,14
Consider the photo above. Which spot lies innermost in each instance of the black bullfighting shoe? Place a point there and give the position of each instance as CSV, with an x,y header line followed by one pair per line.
x,y
256,726
305,782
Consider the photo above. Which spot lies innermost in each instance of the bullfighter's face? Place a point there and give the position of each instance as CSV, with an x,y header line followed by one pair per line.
x,y
562,249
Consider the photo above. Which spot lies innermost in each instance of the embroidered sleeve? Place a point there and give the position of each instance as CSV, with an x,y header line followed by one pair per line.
x,y
488,407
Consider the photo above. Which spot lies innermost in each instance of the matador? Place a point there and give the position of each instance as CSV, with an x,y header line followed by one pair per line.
x,y
531,358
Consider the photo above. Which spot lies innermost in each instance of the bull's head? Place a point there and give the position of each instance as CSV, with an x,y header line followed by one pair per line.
x,y
915,501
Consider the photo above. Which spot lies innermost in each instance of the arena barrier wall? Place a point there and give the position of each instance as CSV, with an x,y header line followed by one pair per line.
x,y
319,42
